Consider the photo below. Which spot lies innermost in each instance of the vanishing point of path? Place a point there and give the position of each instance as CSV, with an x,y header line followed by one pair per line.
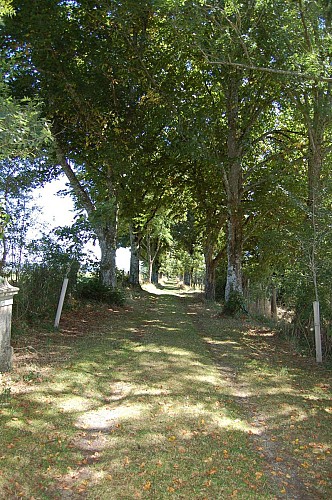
x,y
165,399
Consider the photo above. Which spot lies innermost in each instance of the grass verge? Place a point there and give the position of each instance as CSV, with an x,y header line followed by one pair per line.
x,y
161,399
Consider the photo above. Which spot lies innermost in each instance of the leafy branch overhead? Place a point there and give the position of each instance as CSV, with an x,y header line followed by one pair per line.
x,y
213,117
23,131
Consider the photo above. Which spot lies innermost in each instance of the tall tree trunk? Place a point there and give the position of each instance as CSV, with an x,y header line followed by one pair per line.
x,y
315,162
316,127
152,251
106,229
134,259
150,267
107,237
233,181
234,254
155,272
149,257
210,274
274,308
186,278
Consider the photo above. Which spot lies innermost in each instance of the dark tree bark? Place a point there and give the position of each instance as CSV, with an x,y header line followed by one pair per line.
x,y
134,259
274,309
187,278
106,230
316,127
107,237
233,181
210,274
234,253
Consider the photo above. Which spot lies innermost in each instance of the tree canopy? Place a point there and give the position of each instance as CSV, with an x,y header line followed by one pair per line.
x,y
174,116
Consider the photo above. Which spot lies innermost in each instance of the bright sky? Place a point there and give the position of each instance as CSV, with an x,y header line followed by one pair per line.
x,y
59,211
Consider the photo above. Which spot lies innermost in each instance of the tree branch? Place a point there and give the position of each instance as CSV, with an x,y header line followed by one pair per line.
x,y
79,190
304,76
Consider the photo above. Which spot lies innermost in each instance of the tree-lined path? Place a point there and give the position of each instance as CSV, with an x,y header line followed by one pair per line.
x,y
164,398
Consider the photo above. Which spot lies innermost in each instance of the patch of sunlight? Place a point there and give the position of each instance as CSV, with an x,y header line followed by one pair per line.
x,y
155,438
16,423
242,392
278,390
198,364
311,397
105,418
207,379
320,397
155,291
162,327
121,390
58,387
235,424
178,352
148,348
260,333
295,413
177,292
205,418
85,366
166,350
31,424
72,403
210,340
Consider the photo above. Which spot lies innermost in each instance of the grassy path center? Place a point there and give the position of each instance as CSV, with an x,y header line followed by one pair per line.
x,y
161,399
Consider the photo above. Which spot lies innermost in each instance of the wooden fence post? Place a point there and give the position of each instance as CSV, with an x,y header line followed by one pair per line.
x,y
61,300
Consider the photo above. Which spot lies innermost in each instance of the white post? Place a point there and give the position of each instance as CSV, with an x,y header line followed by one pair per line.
x,y
61,300
318,339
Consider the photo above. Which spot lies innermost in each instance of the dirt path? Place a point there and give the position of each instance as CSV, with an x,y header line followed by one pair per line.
x,y
264,390
283,471
163,399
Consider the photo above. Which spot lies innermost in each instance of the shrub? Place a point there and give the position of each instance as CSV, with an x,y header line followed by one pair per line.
x,y
40,287
91,289
221,278
235,304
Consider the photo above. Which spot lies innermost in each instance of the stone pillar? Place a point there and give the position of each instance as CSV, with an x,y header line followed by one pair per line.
x,y
7,293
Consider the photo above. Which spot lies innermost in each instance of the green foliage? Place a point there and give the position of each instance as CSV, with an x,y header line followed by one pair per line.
x,y
91,289
302,327
32,376
23,133
5,395
40,287
149,121
235,304
4,218
41,276
6,9
220,283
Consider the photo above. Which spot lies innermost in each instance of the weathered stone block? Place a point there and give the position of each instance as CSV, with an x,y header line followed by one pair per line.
x,y
7,293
